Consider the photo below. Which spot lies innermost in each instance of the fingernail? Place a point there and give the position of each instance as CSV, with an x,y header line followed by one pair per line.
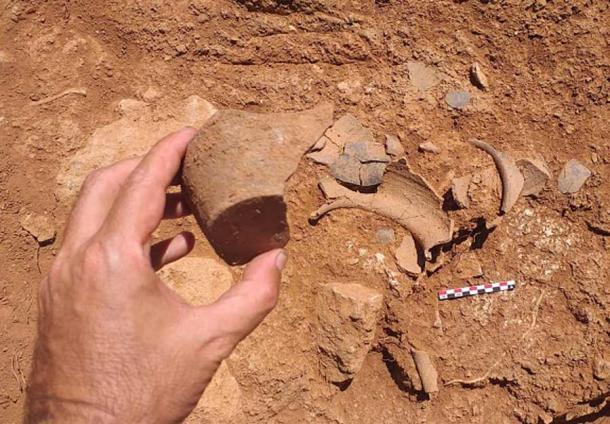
x,y
280,260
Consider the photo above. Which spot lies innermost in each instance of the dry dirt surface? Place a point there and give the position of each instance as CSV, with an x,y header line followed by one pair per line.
x,y
83,83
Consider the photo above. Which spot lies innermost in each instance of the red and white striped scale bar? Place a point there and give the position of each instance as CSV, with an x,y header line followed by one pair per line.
x,y
474,290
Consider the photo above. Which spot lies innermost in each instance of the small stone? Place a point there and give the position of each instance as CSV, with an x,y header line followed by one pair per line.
x,y
128,107
594,157
478,78
371,174
422,77
429,147
203,18
528,366
151,94
535,176
347,317
459,191
346,169
601,368
458,99
393,147
545,418
538,5
573,176
351,91
5,57
407,258
385,235
39,226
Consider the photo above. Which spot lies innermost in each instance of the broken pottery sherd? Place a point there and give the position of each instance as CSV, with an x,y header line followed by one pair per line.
x,y
235,171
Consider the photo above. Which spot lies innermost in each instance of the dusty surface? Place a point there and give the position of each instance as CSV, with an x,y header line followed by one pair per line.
x,y
537,354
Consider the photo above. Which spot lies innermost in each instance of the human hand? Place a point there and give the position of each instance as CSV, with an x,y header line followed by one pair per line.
x,y
115,344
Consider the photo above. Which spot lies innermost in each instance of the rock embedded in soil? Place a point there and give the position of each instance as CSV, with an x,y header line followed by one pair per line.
x,y
429,147
485,193
127,137
234,175
457,99
347,317
39,226
601,368
404,367
535,176
573,176
393,147
423,77
478,77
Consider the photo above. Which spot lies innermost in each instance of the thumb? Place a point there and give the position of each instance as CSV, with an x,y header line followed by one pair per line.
x,y
244,306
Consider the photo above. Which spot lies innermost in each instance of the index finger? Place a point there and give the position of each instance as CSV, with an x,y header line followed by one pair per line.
x,y
139,206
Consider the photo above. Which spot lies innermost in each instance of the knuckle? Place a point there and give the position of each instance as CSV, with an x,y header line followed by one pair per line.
x,y
138,175
93,258
94,178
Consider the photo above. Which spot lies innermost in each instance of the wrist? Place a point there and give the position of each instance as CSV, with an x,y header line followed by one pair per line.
x,y
48,409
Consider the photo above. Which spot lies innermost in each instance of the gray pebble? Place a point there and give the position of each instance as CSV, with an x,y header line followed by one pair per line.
x,y
458,99
573,176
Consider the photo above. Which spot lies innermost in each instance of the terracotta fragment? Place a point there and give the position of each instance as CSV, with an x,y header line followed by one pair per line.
x,y
535,175
407,258
404,197
234,175
512,180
